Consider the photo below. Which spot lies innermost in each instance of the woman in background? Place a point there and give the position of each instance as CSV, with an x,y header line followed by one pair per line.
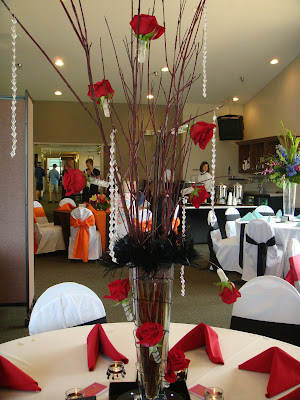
x,y
92,173
204,177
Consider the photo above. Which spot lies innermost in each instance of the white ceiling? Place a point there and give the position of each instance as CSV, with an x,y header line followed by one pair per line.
x,y
243,35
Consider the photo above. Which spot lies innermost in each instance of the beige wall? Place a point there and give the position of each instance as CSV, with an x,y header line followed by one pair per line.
x,y
226,150
279,100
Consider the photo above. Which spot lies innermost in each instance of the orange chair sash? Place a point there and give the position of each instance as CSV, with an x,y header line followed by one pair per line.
x,y
39,212
81,245
175,224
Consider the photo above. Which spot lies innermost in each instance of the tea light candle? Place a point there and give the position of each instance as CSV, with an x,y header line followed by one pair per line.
x,y
74,393
115,370
214,393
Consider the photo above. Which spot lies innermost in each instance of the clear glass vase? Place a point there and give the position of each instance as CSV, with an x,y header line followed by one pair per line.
x,y
105,105
289,198
142,47
152,299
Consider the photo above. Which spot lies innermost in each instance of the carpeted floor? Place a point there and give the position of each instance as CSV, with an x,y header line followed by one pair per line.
x,y
200,304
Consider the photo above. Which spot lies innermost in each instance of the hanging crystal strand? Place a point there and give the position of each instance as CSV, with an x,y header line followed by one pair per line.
x,y
14,88
113,197
204,49
127,310
182,280
213,168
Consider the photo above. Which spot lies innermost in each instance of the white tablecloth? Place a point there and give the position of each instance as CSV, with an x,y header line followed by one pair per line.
x,y
58,361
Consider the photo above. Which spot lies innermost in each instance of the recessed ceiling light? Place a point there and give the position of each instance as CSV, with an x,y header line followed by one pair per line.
x,y
274,61
59,62
164,69
58,93
150,96
235,99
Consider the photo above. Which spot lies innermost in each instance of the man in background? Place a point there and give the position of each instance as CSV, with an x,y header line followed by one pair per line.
x,y
53,183
39,174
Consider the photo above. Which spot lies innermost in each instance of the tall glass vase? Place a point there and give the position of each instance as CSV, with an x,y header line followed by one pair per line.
x,y
152,299
289,198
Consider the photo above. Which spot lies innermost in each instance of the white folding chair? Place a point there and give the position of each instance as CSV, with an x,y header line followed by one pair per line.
x,y
261,255
265,210
231,215
226,250
269,306
292,275
94,244
66,305
67,200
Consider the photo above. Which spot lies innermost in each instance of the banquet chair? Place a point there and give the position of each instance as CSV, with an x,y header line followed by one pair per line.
x,y
47,238
226,250
39,213
265,211
85,240
293,260
261,255
66,305
231,215
268,306
67,200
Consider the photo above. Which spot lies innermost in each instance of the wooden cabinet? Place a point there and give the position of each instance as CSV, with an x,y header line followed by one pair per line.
x,y
253,153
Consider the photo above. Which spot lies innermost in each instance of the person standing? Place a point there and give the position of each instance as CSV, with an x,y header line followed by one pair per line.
x,y
92,173
205,178
39,174
53,183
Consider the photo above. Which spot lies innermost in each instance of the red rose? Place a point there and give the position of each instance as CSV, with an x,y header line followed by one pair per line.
x,y
74,181
150,333
101,89
147,24
198,196
229,296
201,133
118,289
176,362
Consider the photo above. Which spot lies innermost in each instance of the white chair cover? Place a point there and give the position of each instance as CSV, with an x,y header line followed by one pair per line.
x,y
67,200
65,305
268,298
40,214
231,215
226,250
95,246
293,256
49,238
260,231
265,210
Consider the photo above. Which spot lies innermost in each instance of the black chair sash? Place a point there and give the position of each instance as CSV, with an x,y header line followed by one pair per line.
x,y
232,217
241,254
267,214
261,253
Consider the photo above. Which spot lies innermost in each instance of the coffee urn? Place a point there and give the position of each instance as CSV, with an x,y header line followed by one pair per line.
x,y
238,193
221,194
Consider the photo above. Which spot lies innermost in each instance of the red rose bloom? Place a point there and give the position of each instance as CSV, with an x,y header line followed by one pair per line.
x,y
176,362
147,24
101,89
229,296
201,133
198,196
149,334
74,181
118,289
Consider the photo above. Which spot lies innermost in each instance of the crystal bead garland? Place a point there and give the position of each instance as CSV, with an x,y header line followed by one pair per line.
x,y
204,49
14,88
113,197
182,280
213,169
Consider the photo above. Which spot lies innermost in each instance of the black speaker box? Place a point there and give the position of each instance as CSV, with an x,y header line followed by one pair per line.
x,y
231,127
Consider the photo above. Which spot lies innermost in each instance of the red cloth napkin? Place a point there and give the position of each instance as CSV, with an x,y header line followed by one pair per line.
x,y
202,335
284,370
12,377
294,395
97,341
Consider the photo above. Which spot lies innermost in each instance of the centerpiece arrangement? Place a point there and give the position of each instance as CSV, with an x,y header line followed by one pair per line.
x,y
99,202
284,169
149,250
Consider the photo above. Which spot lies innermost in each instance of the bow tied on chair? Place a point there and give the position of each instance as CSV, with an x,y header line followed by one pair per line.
x,y
81,246
261,253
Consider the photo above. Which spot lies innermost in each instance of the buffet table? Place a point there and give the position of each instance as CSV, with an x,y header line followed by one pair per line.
x,y
57,360
196,219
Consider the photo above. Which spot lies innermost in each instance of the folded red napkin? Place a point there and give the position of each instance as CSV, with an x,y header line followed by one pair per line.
x,y
202,335
294,395
97,341
12,377
284,369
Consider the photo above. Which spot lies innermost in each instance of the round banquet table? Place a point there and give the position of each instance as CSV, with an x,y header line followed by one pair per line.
x,y
57,360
